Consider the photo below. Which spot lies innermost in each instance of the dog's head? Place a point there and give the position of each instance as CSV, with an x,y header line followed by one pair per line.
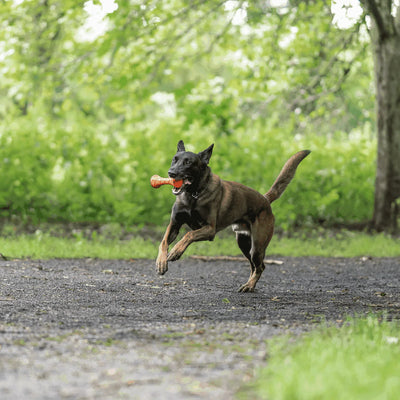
x,y
190,167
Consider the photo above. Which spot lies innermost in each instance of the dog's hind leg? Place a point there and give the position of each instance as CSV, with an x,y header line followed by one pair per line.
x,y
262,231
244,243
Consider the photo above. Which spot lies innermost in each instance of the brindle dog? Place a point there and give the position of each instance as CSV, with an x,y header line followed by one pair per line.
x,y
208,204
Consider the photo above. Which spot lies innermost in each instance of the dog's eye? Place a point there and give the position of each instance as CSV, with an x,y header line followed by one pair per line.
x,y
186,161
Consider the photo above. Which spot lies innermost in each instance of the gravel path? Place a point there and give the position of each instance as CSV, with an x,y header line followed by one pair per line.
x,y
98,329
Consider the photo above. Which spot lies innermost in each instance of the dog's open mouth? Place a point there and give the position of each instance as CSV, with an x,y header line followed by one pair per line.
x,y
178,191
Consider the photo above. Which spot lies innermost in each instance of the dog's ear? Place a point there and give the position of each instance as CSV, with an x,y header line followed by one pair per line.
x,y
205,155
181,146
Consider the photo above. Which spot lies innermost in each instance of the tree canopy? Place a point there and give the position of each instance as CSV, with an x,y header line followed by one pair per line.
x,y
95,96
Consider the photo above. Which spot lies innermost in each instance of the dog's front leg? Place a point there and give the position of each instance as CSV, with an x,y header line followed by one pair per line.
x,y
206,232
170,235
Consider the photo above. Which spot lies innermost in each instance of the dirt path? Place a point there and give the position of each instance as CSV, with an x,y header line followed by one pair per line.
x,y
94,329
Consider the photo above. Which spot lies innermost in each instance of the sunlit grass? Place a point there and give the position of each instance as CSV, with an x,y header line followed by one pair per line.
x,y
343,244
46,247
325,244
359,361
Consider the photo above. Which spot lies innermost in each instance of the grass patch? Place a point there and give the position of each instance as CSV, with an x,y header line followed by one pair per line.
x,y
46,247
357,361
338,244
323,243
41,245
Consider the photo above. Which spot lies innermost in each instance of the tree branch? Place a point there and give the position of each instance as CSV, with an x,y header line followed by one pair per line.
x,y
173,41
232,258
215,40
325,70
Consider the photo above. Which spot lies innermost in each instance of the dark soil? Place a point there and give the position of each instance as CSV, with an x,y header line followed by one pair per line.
x,y
95,329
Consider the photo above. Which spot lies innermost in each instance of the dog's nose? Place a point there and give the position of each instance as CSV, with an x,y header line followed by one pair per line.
x,y
171,174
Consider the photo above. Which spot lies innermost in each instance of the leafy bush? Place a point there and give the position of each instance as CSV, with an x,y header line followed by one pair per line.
x,y
80,171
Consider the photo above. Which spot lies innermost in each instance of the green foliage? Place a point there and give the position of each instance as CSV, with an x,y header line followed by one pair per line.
x,y
85,121
103,176
357,361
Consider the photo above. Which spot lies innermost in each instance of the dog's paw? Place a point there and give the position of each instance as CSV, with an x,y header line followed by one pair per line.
x,y
246,288
162,266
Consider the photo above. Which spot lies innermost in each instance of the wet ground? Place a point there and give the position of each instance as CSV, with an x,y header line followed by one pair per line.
x,y
96,329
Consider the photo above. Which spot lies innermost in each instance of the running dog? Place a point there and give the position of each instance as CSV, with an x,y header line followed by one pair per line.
x,y
208,204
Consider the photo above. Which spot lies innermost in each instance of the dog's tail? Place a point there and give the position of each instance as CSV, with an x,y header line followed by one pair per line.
x,y
286,175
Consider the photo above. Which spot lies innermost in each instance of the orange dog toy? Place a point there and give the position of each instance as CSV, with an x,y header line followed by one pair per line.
x,y
156,181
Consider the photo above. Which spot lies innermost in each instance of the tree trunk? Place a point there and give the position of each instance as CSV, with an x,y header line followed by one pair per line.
x,y
385,35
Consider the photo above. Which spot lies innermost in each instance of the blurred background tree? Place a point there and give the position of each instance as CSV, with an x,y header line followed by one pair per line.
x,y
385,34
95,96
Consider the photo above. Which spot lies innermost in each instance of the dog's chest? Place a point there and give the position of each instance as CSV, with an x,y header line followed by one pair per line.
x,y
196,221
193,217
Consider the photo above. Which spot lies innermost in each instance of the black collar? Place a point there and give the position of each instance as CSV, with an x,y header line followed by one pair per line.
x,y
202,185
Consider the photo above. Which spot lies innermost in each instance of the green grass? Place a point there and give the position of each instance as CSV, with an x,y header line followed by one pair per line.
x,y
46,247
359,361
325,244
342,244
